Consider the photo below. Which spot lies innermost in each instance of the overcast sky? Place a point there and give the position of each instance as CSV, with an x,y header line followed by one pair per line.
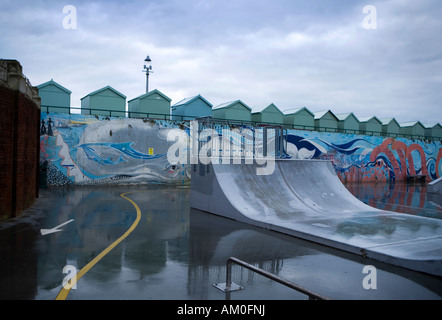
x,y
320,54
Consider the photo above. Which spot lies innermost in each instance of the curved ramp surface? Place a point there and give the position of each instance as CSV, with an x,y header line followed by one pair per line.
x,y
306,199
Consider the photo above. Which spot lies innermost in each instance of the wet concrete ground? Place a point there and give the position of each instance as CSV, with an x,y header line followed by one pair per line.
x,y
411,198
176,253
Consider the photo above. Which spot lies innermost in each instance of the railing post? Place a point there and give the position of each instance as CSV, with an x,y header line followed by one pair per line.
x,y
264,143
228,274
229,286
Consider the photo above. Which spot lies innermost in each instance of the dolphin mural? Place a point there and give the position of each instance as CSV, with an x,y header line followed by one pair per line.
x,y
112,151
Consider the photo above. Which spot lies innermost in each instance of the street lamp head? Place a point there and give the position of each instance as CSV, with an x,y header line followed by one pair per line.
x,y
147,69
147,63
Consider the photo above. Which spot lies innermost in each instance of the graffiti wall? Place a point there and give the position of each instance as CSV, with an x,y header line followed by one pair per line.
x,y
83,149
369,158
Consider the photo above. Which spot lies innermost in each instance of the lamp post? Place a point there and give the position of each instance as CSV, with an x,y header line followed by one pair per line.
x,y
147,69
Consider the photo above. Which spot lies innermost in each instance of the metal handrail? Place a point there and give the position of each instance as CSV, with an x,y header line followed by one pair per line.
x,y
186,118
229,286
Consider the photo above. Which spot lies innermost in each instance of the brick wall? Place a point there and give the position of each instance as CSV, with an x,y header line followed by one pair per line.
x,y
19,150
6,143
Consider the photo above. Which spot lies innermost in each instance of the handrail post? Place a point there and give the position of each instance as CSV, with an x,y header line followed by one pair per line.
x,y
229,286
229,274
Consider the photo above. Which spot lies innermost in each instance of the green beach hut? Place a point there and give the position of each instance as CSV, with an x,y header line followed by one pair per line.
x,y
433,131
412,129
326,121
153,104
370,126
390,127
269,114
54,97
233,110
105,102
348,123
299,118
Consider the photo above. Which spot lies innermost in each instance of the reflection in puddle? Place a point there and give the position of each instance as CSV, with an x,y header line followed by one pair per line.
x,y
411,198
176,253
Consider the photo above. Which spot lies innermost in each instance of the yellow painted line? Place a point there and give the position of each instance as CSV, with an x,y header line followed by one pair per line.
x,y
62,295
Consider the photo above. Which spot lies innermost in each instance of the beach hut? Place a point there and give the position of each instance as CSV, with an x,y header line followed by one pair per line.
x,y
326,121
269,114
105,101
299,118
390,127
348,123
433,131
370,126
233,110
412,129
153,104
191,108
54,97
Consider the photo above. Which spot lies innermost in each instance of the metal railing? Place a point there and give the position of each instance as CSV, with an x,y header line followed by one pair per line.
x,y
187,118
253,140
229,286
106,112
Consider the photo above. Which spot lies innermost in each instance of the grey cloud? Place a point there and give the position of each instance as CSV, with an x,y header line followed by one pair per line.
x,y
293,53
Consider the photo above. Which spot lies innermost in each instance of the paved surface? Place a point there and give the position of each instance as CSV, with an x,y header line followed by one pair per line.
x,y
306,199
175,253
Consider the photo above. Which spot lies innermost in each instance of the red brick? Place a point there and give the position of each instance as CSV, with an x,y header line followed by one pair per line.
x,y
19,174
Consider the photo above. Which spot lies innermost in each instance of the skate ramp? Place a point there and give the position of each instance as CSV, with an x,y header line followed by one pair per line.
x,y
435,187
306,199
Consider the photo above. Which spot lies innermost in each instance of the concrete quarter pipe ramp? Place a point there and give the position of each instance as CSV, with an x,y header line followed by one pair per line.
x,y
306,199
